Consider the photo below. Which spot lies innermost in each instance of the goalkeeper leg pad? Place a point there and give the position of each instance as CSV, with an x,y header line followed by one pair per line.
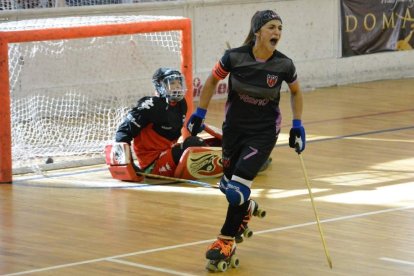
x,y
200,162
119,161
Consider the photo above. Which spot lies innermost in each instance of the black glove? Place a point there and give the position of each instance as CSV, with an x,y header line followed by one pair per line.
x,y
195,124
297,136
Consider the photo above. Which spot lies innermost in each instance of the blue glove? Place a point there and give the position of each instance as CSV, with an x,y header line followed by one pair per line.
x,y
195,124
297,136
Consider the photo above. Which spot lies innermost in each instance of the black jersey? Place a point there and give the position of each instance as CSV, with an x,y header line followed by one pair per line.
x,y
154,125
254,87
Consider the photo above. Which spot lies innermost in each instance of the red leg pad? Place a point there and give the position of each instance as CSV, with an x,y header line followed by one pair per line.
x,y
125,173
118,158
200,162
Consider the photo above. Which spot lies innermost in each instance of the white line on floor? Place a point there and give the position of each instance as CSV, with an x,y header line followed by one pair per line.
x,y
111,258
396,261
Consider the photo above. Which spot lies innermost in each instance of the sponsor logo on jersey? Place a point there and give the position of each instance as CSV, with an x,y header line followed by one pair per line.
x,y
146,104
271,80
254,101
165,168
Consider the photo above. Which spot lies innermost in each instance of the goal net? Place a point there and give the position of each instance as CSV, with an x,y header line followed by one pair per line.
x,y
66,83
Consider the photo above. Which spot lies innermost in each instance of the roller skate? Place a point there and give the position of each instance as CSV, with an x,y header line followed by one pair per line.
x,y
221,255
266,164
244,230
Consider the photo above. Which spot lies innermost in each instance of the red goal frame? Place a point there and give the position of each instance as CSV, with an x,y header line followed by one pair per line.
x,y
6,37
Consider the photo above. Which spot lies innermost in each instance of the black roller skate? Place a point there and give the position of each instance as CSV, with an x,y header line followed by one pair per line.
x,y
244,231
221,255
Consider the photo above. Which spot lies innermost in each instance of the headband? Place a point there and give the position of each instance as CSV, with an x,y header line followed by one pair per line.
x,y
262,17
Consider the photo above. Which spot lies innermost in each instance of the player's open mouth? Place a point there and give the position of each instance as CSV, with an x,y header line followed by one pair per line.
x,y
273,41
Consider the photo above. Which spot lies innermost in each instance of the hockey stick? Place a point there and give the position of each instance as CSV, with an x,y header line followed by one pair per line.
x,y
213,131
182,180
305,174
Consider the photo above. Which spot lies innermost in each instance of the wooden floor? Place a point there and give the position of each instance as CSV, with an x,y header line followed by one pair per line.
x,y
360,162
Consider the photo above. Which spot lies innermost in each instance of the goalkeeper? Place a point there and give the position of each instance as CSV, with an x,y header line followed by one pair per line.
x,y
154,125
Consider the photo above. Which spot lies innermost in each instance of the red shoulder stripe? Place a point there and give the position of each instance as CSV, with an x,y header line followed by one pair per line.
x,y
219,72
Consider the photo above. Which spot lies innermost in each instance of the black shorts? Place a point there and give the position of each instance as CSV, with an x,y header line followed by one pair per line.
x,y
245,153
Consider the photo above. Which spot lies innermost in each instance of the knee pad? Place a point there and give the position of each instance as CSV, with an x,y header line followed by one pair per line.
x,y
237,193
193,141
223,184
176,153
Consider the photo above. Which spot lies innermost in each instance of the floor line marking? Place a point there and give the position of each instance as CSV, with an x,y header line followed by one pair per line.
x,y
335,219
207,241
396,261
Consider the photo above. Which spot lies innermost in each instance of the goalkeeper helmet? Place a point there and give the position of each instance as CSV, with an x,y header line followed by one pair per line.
x,y
169,83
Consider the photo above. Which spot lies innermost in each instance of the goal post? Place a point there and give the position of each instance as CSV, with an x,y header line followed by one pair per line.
x,y
65,83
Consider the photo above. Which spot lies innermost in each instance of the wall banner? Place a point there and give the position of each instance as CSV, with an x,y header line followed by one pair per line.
x,y
372,26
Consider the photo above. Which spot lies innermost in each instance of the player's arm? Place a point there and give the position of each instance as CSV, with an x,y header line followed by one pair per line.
x,y
207,91
128,129
135,120
297,136
118,154
196,122
296,100
219,72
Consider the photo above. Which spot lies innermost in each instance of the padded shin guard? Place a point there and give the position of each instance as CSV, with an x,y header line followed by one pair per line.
x,y
223,184
237,193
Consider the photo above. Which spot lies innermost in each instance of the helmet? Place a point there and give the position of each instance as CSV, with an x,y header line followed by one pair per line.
x,y
169,83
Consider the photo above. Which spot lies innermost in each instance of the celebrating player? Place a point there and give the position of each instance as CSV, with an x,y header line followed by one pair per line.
x,y
252,121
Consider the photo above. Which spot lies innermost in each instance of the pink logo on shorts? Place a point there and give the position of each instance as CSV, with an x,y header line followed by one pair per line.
x,y
271,80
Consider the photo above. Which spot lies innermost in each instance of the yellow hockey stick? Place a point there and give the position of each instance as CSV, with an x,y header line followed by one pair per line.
x,y
305,174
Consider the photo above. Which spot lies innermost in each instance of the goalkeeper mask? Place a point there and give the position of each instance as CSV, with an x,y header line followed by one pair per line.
x,y
170,84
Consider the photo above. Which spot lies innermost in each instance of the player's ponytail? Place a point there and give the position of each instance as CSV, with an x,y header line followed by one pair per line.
x,y
250,38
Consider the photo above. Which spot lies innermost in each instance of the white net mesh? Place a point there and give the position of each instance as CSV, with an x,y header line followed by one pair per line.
x,y
68,96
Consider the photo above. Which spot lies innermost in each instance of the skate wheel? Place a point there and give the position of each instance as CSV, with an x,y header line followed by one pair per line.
x,y
210,266
248,233
260,213
234,261
222,266
238,239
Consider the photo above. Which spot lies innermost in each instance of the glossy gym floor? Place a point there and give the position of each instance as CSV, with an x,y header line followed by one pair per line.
x,y
359,161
